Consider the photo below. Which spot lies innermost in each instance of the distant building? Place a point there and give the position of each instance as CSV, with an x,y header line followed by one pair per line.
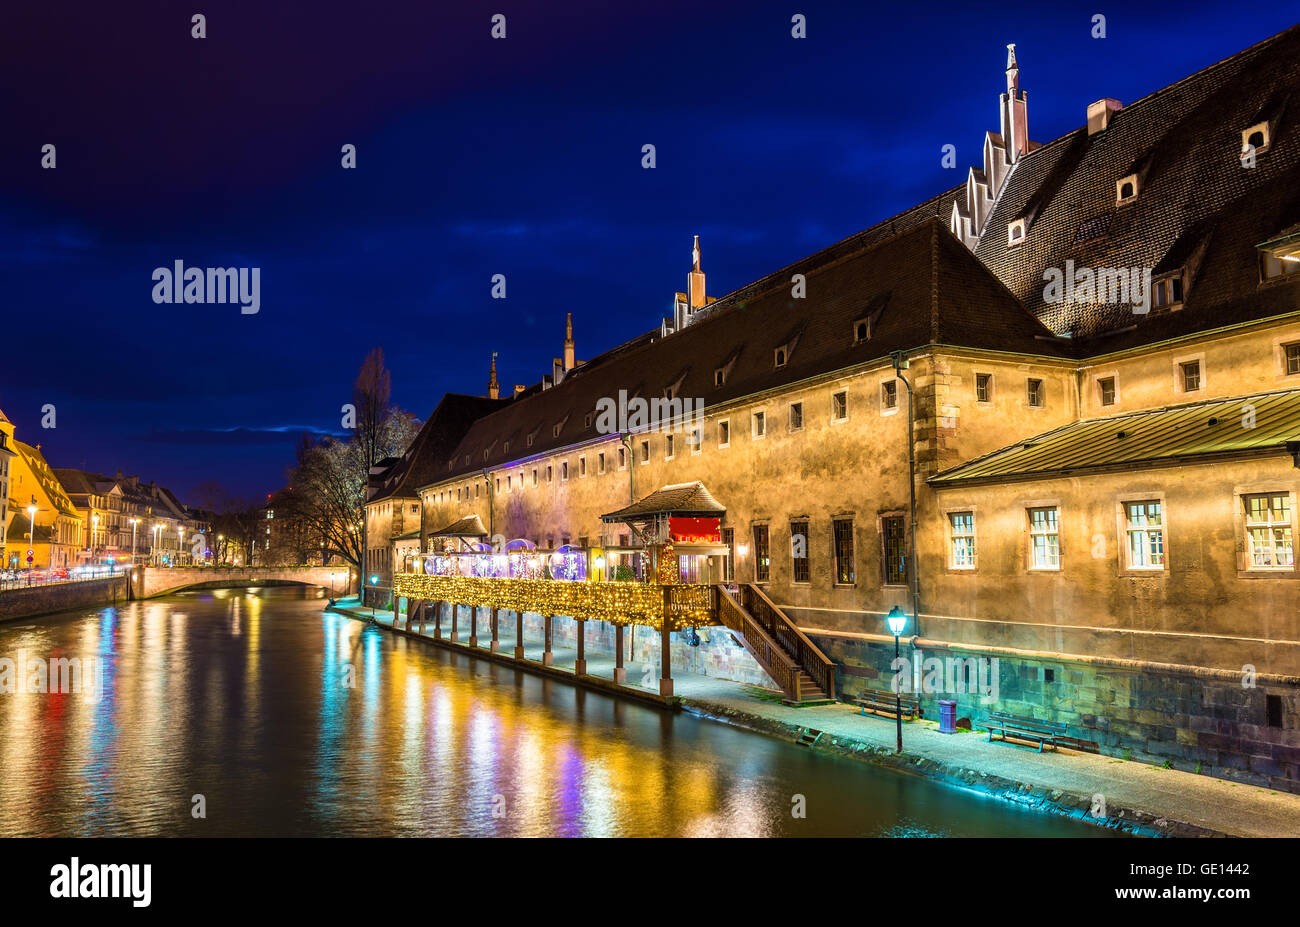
x,y
56,540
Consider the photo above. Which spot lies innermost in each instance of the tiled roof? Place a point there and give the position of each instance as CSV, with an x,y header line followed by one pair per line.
x,y
45,476
1184,142
919,287
471,526
435,440
685,499
1154,437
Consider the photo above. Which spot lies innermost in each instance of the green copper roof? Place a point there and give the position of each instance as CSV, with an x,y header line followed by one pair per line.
x,y
1171,434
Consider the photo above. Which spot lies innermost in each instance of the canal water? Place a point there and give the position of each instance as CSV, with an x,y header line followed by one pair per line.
x,y
288,720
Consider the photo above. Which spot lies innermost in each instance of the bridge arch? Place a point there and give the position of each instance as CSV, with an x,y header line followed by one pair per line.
x,y
149,581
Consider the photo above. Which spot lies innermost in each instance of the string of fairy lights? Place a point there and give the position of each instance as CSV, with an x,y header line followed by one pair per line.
x,y
649,604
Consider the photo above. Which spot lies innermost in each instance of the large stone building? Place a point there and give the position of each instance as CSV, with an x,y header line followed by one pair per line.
x,y
42,517
1052,414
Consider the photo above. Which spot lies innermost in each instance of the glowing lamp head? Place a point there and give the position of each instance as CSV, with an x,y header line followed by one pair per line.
x,y
742,550
374,580
896,620
600,563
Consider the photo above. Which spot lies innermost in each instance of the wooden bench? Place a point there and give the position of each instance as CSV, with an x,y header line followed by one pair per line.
x,y
888,704
1043,732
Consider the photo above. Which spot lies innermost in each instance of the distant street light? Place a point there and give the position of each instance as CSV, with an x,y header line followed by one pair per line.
x,y
897,621
31,539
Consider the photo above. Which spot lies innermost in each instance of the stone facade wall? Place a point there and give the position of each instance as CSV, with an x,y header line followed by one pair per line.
x,y
1195,722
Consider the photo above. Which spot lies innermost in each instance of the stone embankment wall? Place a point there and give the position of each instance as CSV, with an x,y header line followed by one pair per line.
x,y
29,601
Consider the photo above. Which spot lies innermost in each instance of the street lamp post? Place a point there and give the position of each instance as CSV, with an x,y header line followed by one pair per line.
x,y
134,523
31,538
897,621
221,549
94,536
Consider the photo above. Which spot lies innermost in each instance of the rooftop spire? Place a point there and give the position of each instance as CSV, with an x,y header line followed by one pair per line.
x,y
1013,71
695,256
569,359
494,386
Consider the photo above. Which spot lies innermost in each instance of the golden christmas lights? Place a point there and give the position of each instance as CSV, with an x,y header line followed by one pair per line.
x,y
686,605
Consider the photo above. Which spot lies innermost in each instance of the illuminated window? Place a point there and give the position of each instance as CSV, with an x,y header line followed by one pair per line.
x,y
796,416
1044,539
1268,531
1146,535
1034,392
983,387
762,554
1106,391
963,540
840,406
1291,356
843,540
799,551
1190,374
1273,267
895,549
889,394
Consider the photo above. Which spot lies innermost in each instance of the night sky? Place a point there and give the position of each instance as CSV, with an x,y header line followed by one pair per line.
x,y
475,157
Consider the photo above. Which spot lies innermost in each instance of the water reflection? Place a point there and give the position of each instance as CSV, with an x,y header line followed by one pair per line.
x,y
293,721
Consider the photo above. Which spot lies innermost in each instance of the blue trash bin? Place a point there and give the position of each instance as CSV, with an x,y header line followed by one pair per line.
x,y
947,717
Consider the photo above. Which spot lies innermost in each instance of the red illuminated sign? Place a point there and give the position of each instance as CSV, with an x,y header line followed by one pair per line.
x,y
695,530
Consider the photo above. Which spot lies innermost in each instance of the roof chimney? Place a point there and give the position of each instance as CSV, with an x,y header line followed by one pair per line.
x,y
494,386
1101,112
568,342
1014,106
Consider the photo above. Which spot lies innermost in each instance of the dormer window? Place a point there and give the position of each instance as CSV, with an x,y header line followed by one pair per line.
x,y
555,432
861,331
780,357
720,376
1167,292
530,440
1015,232
1126,189
1255,139
586,422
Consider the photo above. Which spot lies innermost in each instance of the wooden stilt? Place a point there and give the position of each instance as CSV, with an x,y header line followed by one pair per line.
x,y
496,641
454,616
519,635
547,657
473,626
437,620
620,672
580,664
665,660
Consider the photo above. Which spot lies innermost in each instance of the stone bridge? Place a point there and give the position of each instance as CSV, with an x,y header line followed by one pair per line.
x,y
150,581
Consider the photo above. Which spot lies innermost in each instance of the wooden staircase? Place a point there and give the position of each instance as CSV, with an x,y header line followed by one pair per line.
x,y
800,670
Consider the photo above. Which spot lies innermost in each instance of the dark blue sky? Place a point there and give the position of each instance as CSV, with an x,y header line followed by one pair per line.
x,y
475,157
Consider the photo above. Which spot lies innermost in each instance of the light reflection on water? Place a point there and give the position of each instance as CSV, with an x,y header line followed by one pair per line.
x,y
243,696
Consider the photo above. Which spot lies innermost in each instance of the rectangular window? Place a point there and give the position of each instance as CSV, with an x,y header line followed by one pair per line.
x,y
645,452
1146,535
1274,267
1044,539
1190,372
799,551
842,534
696,441
1268,531
669,444
534,476
760,424
1106,391
564,469
796,416
724,433
729,560
762,555
840,406
622,458
582,466
895,549
889,394
983,387
548,474
1291,354
1034,392
600,462
962,525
